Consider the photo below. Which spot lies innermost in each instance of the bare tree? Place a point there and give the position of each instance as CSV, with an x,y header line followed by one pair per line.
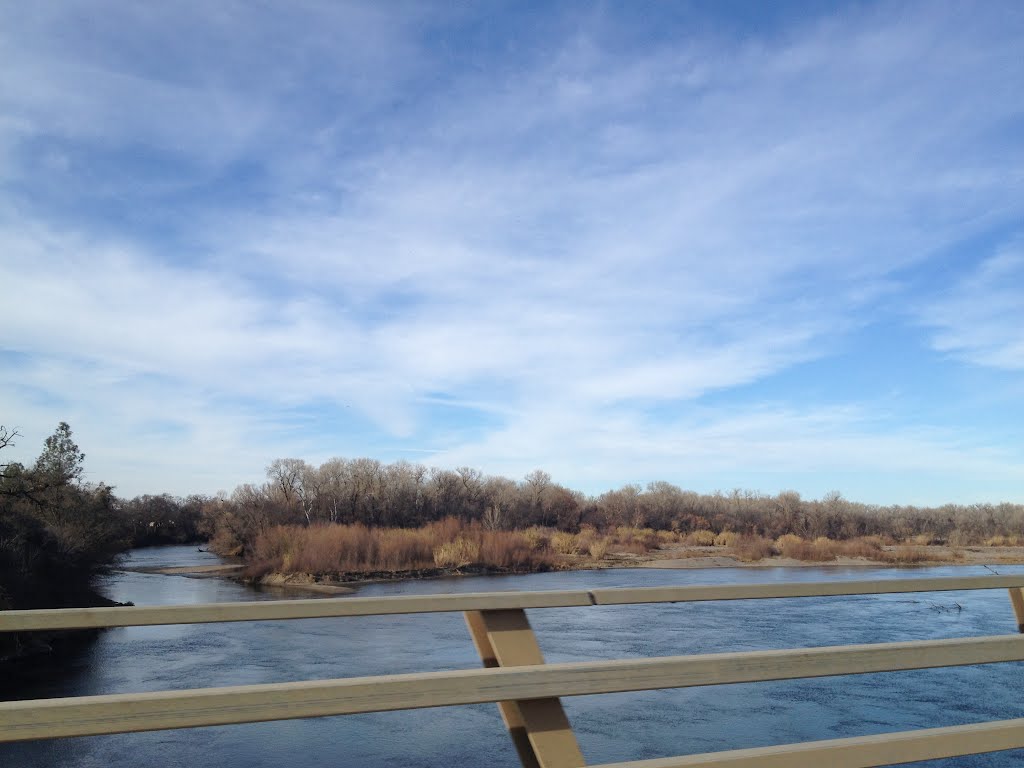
x,y
334,475
285,475
472,490
403,494
501,496
536,485
7,439
308,490
7,436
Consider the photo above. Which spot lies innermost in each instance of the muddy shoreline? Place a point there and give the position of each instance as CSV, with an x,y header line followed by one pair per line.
x,y
671,557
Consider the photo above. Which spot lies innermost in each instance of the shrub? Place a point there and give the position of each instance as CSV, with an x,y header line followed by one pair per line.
x,y
1003,541
625,547
701,538
791,545
823,549
536,537
726,539
564,543
339,549
906,555
511,550
753,548
866,546
598,549
961,539
638,540
456,554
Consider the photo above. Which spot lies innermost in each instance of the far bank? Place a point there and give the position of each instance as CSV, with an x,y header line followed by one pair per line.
x,y
332,562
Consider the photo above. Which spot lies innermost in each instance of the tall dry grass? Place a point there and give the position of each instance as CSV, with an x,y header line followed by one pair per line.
x,y
911,555
637,541
457,554
598,549
340,549
875,548
565,543
324,550
701,538
590,542
823,549
726,539
750,549
1004,541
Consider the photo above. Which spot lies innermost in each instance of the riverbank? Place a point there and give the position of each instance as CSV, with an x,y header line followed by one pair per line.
x,y
195,571
18,649
335,583
927,555
672,557
338,554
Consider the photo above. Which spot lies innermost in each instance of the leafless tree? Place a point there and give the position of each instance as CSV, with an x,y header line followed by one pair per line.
x,y
7,436
7,439
285,475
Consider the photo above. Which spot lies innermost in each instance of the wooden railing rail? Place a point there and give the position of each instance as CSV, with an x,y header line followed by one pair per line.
x,y
859,751
318,608
116,713
526,689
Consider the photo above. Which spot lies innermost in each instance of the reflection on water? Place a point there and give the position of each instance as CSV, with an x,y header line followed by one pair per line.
x,y
610,728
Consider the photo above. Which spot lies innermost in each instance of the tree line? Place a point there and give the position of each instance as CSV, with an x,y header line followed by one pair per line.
x,y
407,495
57,531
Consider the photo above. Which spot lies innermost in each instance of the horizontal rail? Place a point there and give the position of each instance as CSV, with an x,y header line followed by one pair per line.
x,y
859,751
271,610
120,713
700,593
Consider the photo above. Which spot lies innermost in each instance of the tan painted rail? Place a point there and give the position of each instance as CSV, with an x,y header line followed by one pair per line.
x,y
91,715
266,610
859,751
526,689
275,610
799,589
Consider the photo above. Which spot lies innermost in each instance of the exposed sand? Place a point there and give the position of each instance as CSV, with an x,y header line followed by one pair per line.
x,y
197,571
304,582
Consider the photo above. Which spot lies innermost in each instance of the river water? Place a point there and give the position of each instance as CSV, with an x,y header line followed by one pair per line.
x,y
610,727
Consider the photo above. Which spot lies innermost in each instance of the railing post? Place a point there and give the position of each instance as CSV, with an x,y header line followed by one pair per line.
x,y
539,728
1017,598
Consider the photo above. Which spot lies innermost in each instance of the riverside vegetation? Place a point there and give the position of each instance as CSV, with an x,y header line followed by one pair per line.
x,y
56,534
349,519
358,518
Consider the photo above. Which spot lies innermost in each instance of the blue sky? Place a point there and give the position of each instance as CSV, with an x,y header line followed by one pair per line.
x,y
726,245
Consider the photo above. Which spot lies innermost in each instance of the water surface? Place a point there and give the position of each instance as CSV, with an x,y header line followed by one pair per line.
x,y
610,727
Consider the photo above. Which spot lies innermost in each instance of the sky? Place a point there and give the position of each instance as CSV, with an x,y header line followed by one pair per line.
x,y
722,244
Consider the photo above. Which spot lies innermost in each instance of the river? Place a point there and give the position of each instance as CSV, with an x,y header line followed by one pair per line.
x,y
610,727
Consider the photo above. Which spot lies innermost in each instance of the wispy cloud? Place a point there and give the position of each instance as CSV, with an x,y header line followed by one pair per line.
x,y
570,236
981,319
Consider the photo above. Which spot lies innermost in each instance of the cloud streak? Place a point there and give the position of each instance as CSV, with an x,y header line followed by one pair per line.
x,y
365,211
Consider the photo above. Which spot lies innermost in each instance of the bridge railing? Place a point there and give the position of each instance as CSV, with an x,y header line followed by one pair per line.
x,y
526,689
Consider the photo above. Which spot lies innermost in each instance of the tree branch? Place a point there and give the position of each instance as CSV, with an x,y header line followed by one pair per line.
x,y
7,436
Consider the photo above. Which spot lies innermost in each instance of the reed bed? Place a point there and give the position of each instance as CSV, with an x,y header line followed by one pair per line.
x,y
823,549
340,549
452,545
